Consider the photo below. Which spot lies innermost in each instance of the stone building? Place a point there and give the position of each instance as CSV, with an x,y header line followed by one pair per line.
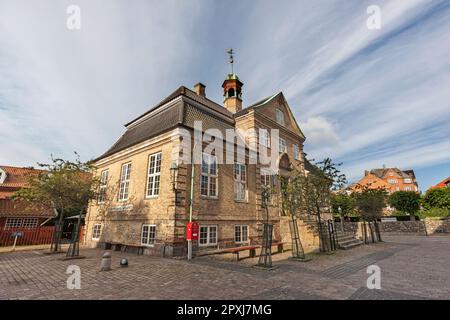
x,y
146,190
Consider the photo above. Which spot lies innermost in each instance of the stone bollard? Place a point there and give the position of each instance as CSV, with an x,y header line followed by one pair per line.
x,y
124,262
106,262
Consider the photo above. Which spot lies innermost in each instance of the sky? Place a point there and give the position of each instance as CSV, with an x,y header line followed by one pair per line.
x,y
363,97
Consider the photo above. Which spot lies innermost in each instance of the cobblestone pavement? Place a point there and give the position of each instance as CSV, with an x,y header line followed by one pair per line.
x,y
412,267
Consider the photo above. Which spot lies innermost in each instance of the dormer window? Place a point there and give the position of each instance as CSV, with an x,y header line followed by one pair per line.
x,y
280,117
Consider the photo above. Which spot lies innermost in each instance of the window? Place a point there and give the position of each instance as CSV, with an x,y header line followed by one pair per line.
x,y
154,175
148,234
208,235
392,181
280,117
124,182
264,137
240,179
268,180
296,152
282,145
103,185
240,233
208,186
96,231
30,223
407,189
407,180
13,223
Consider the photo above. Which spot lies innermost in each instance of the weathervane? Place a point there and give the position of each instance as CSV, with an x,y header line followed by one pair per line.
x,y
230,52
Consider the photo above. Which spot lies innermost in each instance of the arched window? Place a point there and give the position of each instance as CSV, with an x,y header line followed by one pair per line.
x,y
231,92
280,117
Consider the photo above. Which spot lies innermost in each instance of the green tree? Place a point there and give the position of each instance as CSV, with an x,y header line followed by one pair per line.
x,y
64,187
437,198
370,203
405,201
343,205
315,190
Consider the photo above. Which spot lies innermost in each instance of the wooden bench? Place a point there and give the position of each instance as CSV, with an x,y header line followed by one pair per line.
x,y
139,249
280,246
237,250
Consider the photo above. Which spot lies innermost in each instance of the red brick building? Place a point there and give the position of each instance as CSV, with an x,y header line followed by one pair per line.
x,y
20,216
444,183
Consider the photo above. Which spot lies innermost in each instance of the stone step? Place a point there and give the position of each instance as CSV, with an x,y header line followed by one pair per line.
x,y
351,245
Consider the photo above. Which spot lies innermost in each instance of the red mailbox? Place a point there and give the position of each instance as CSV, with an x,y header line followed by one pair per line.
x,y
192,231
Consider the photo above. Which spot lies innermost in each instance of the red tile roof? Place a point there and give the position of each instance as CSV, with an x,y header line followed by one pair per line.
x,y
444,183
17,177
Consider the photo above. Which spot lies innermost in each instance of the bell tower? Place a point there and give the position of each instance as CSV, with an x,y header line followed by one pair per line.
x,y
232,88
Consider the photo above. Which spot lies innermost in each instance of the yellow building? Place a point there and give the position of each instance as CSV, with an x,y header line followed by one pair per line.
x,y
146,186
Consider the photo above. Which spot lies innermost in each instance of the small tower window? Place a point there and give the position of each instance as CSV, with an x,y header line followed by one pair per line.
x,y
280,117
230,92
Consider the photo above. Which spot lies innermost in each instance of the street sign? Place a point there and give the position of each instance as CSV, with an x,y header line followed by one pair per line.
x,y
17,234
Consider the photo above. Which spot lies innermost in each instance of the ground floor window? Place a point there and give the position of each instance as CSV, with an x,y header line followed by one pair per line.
x,y
13,223
30,223
208,235
96,231
241,233
148,234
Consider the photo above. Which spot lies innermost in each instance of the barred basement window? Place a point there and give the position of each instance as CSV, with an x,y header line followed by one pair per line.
x,y
96,231
148,234
240,182
13,223
240,233
154,175
208,183
30,223
103,185
124,182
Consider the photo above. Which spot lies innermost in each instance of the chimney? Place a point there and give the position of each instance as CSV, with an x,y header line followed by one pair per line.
x,y
199,89
366,172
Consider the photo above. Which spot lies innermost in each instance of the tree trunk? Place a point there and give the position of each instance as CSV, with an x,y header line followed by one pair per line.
x,y
74,248
56,240
321,242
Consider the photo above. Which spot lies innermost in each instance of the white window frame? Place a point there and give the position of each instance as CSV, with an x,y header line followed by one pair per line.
x,y
154,175
96,231
264,137
151,235
407,180
280,117
282,145
103,186
210,175
124,184
269,180
29,223
13,223
392,181
239,234
208,235
240,182
296,152
407,188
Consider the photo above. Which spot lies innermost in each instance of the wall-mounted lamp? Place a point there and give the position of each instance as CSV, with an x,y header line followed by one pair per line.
x,y
174,175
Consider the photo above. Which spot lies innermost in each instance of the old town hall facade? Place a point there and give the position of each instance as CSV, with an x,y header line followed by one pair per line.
x,y
145,198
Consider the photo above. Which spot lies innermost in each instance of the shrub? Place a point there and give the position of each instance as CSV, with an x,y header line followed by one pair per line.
x,y
434,213
437,198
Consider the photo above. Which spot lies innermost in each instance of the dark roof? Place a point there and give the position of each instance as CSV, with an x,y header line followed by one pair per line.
x,y
380,173
160,119
256,104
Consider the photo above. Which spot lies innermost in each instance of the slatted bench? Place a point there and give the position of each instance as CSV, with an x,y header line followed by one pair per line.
x,y
237,250
139,249
280,246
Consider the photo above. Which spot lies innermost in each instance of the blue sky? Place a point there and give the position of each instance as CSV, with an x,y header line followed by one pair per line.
x,y
363,97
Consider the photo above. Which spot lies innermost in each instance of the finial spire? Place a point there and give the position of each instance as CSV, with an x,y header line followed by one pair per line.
x,y
231,59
